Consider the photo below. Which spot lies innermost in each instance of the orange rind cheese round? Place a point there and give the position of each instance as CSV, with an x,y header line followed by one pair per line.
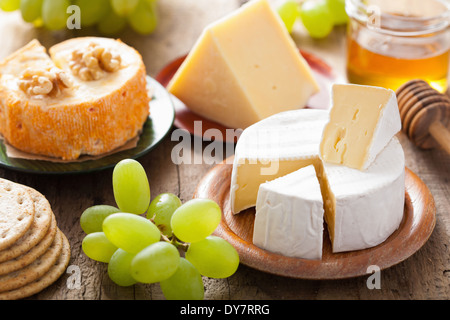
x,y
88,97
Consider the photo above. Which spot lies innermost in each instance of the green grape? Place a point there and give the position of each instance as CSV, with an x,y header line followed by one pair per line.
x,y
130,232
144,19
97,247
316,18
123,8
9,5
337,9
214,257
289,13
119,268
161,210
54,14
185,284
155,263
92,11
111,23
131,187
195,220
31,9
91,219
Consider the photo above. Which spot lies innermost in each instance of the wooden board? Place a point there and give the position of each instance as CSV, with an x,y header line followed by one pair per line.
x,y
418,223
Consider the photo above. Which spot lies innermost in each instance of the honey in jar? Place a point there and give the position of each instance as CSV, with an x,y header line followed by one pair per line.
x,y
391,42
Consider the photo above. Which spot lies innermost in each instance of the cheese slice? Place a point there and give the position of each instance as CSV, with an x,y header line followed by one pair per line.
x,y
85,118
272,148
363,119
244,68
289,215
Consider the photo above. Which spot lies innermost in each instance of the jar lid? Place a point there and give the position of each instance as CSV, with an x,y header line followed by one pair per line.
x,y
401,17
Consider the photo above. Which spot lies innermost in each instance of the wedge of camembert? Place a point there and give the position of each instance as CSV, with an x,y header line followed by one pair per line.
x,y
89,98
289,215
243,68
363,119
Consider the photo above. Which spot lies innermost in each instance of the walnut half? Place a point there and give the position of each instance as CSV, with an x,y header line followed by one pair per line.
x,y
92,62
44,82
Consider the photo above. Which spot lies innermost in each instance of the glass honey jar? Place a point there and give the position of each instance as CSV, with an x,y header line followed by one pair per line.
x,y
390,42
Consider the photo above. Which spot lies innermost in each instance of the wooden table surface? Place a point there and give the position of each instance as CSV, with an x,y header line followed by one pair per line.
x,y
425,275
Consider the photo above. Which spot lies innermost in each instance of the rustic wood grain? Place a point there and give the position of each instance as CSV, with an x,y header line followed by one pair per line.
x,y
425,275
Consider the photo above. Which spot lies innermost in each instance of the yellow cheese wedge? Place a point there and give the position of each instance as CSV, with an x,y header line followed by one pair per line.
x,y
363,120
244,68
89,98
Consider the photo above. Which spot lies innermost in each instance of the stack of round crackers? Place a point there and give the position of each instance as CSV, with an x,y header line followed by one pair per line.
x,y
34,252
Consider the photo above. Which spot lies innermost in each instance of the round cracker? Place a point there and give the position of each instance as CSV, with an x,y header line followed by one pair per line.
x,y
16,212
29,257
46,280
34,270
42,221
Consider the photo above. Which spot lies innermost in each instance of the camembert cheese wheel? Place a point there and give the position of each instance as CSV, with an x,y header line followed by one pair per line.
x,y
88,97
361,208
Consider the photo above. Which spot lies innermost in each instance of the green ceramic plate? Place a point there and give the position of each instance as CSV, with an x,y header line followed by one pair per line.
x,y
155,130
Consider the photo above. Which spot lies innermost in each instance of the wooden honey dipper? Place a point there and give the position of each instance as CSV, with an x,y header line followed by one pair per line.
x,y
425,115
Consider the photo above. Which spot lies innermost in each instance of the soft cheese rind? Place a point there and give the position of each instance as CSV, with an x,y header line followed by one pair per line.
x,y
289,215
272,148
368,205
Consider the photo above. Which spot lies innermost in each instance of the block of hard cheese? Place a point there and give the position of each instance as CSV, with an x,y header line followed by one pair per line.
x,y
363,120
244,68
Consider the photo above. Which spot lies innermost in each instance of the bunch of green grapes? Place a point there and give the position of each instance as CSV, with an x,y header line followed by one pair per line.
x,y
160,241
318,16
109,16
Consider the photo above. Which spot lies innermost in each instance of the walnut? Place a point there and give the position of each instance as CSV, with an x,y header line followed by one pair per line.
x,y
44,82
92,62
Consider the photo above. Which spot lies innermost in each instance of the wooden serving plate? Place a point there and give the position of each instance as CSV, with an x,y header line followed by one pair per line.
x,y
185,118
416,227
